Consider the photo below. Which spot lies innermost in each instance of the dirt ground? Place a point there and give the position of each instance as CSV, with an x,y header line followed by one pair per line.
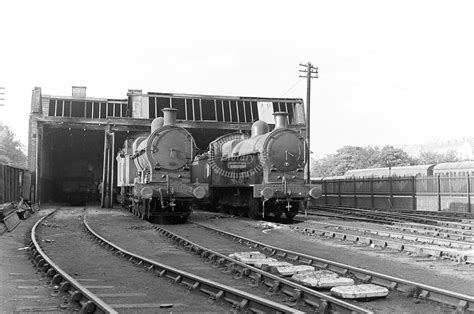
x,y
22,289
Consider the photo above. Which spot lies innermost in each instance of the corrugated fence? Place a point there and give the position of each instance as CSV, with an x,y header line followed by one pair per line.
x,y
420,193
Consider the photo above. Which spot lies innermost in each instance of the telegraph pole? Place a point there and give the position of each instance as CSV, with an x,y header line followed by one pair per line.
x,y
310,72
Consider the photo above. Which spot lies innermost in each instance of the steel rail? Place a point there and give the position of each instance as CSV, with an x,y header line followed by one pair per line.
x,y
396,215
435,228
461,302
239,300
447,252
441,233
347,216
323,302
402,236
366,213
80,295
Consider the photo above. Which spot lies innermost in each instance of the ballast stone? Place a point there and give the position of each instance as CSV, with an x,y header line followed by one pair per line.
x,y
359,291
322,279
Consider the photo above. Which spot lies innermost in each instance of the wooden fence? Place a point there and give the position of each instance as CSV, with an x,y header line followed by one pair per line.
x,y
390,193
15,183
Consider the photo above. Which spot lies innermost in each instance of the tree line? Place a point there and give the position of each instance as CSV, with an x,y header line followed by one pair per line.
x,y
11,150
356,157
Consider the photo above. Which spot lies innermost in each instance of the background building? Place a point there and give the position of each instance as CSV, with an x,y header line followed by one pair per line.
x,y
73,140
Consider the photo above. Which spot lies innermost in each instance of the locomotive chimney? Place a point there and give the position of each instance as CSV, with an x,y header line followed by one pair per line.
x,y
156,124
169,115
281,120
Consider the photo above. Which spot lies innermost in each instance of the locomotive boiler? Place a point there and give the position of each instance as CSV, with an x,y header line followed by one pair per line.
x,y
163,186
261,174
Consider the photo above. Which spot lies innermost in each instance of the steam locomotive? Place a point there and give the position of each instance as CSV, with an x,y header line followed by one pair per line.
x,y
162,187
258,175
253,176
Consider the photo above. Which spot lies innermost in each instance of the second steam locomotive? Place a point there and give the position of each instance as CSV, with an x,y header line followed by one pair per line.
x,y
163,185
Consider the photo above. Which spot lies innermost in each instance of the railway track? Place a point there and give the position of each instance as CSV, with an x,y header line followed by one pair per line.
x,y
103,277
216,249
439,239
349,215
78,295
442,231
215,264
460,302
419,245
396,216
145,264
22,288
445,232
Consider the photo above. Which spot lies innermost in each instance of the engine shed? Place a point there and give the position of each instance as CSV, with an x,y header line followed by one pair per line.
x,y
73,140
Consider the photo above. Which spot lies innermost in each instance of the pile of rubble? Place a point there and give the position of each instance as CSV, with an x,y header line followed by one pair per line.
x,y
12,213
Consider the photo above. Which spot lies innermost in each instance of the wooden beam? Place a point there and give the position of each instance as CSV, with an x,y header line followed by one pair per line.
x,y
118,124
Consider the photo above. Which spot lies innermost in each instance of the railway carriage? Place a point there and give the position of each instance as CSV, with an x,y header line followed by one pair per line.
x,y
454,169
446,169
418,170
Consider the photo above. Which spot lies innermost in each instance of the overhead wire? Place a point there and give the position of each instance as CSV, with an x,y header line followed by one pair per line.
x,y
293,86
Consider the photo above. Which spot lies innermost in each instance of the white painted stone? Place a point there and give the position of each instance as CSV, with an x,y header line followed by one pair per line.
x,y
330,282
325,282
291,270
254,261
252,255
271,262
359,291
322,279
316,274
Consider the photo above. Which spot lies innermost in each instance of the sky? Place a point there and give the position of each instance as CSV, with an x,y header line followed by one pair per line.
x,y
390,72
